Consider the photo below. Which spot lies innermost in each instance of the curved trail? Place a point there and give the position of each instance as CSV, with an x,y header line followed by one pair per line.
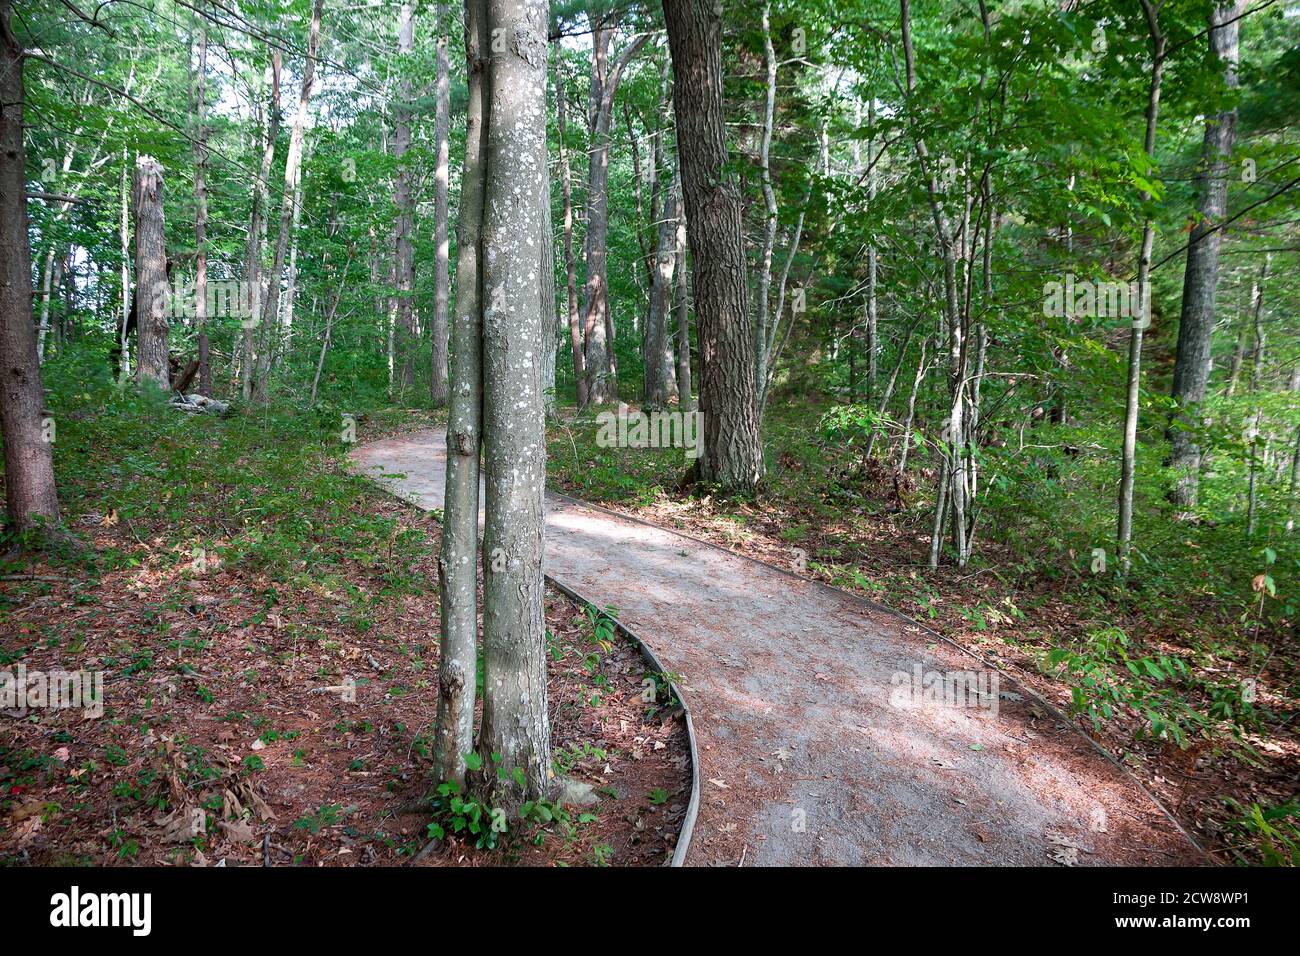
x,y
812,750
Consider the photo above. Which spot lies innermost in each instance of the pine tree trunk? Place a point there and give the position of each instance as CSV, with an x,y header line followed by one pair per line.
x,y
31,498
732,455
515,735
1201,278
442,144
150,274
458,560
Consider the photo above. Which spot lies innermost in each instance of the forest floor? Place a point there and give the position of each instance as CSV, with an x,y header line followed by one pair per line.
x,y
267,627
1235,784
808,754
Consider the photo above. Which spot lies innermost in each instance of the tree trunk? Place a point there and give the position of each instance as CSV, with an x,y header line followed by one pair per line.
x,y
763,312
292,174
442,145
150,273
30,495
602,383
515,735
571,289
1258,445
1201,277
256,229
660,380
404,333
1128,465
201,216
685,398
733,452
458,559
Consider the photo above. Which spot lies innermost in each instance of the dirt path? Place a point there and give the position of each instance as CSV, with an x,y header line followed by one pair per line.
x,y
812,749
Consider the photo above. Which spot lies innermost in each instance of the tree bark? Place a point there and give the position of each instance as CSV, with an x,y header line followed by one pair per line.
x,y
458,559
660,379
571,289
763,312
732,455
442,145
256,230
150,273
685,397
515,734
1201,277
602,384
1128,466
201,216
292,174
31,498
404,334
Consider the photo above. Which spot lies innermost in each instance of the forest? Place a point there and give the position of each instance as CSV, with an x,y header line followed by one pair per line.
x,y
620,433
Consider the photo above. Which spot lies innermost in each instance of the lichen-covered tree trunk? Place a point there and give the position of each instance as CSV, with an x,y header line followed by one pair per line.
x,y
733,454
660,379
442,146
458,559
150,273
515,735
1201,276
30,495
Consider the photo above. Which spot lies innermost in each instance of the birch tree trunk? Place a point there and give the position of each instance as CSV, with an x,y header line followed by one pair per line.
x,y
442,146
150,274
763,312
732,455
1201,277
458,559
292,176
515,734
1128,467
1258,444
31,498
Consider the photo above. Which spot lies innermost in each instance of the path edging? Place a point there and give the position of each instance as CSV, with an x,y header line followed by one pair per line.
x,y
693,804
